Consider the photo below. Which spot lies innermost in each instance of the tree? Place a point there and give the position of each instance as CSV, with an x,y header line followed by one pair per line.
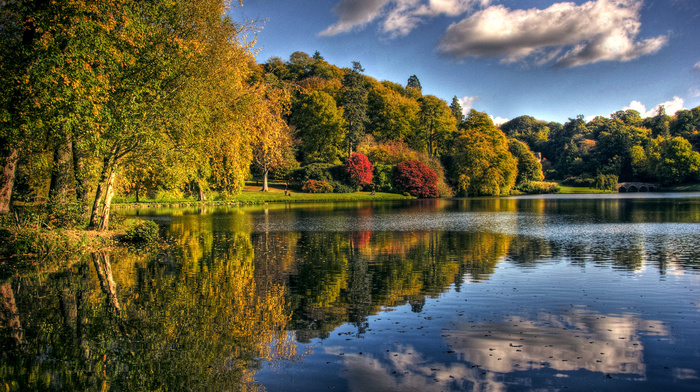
x,y
529,168
354,107
393,115
272,139
480,161
437,126
456,108
417,179
673,160
320,128
413,87
358,169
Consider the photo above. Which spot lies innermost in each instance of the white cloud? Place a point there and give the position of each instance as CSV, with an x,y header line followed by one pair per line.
x,y
565,33
693,92
400,17
671,107
696,67
499,120
467,103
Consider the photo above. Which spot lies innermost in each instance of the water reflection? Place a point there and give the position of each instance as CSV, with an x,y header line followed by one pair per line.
x,y
483,294
140,324
515,352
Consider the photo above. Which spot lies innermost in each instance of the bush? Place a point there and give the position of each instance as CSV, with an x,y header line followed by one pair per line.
x,y
358,169
539,187
579,181
606,182
313,186
143,231
314,171
382,179
339,187
417,179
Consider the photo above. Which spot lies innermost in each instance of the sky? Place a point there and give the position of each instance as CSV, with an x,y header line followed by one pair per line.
x,y
551,60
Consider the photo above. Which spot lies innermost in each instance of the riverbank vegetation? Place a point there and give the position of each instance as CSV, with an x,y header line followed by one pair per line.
x,y
131,100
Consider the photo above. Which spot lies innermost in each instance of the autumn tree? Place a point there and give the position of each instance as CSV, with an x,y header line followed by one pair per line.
x,y
272,138
417,179
480,161
358,169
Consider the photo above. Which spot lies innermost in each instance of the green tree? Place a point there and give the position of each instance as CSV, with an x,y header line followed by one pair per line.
x,y
354,107
437,126
456,108
393,115
480,161
320,127
529,168
673,160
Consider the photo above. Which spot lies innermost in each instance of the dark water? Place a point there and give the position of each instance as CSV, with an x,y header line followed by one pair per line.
x,y
535,293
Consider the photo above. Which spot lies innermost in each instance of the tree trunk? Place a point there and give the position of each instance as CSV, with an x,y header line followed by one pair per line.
x,y
94,215
202,196
109,193
9,315
7,181
265,188
81,190
60,173
104,272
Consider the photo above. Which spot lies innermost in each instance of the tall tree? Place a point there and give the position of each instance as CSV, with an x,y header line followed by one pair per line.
x,y
272,139
437,126
320,127
355,107
481,162
456,108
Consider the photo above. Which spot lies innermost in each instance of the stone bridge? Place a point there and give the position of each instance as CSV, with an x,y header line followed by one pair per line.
x,y
637,187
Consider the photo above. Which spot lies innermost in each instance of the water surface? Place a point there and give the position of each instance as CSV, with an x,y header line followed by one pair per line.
x,y
548,293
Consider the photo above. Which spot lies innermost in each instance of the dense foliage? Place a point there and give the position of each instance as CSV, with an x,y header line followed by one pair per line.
x,y
417,179
145,98
358,169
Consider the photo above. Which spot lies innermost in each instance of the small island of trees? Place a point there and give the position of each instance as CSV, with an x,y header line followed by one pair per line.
x,y
138,98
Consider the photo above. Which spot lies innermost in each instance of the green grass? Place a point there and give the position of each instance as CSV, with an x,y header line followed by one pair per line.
x,y
580,189
257,197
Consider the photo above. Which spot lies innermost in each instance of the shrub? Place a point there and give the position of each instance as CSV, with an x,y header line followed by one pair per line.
x,y
417,179
383,176
314,171
579,181
313,186
539,187
339,187
143,231
358,170
606,182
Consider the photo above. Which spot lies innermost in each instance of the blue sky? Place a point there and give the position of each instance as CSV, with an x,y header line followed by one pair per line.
x,y
547,59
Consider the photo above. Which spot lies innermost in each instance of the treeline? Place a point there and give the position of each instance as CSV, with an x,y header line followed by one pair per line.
x,y
661,148
138,97
417,143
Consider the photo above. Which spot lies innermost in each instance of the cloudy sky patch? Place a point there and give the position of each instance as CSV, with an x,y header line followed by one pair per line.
x,y
565,33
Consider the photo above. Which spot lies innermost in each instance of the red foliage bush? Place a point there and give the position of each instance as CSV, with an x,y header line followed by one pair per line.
x,y
359,169
417,179
313,186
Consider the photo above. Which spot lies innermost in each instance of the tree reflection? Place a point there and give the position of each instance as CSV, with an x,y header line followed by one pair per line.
x,y
335,282
129,322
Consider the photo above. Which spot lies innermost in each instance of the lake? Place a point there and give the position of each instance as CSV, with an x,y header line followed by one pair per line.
x,y
547,293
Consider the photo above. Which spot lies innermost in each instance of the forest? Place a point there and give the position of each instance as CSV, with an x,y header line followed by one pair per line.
x,y
135,98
